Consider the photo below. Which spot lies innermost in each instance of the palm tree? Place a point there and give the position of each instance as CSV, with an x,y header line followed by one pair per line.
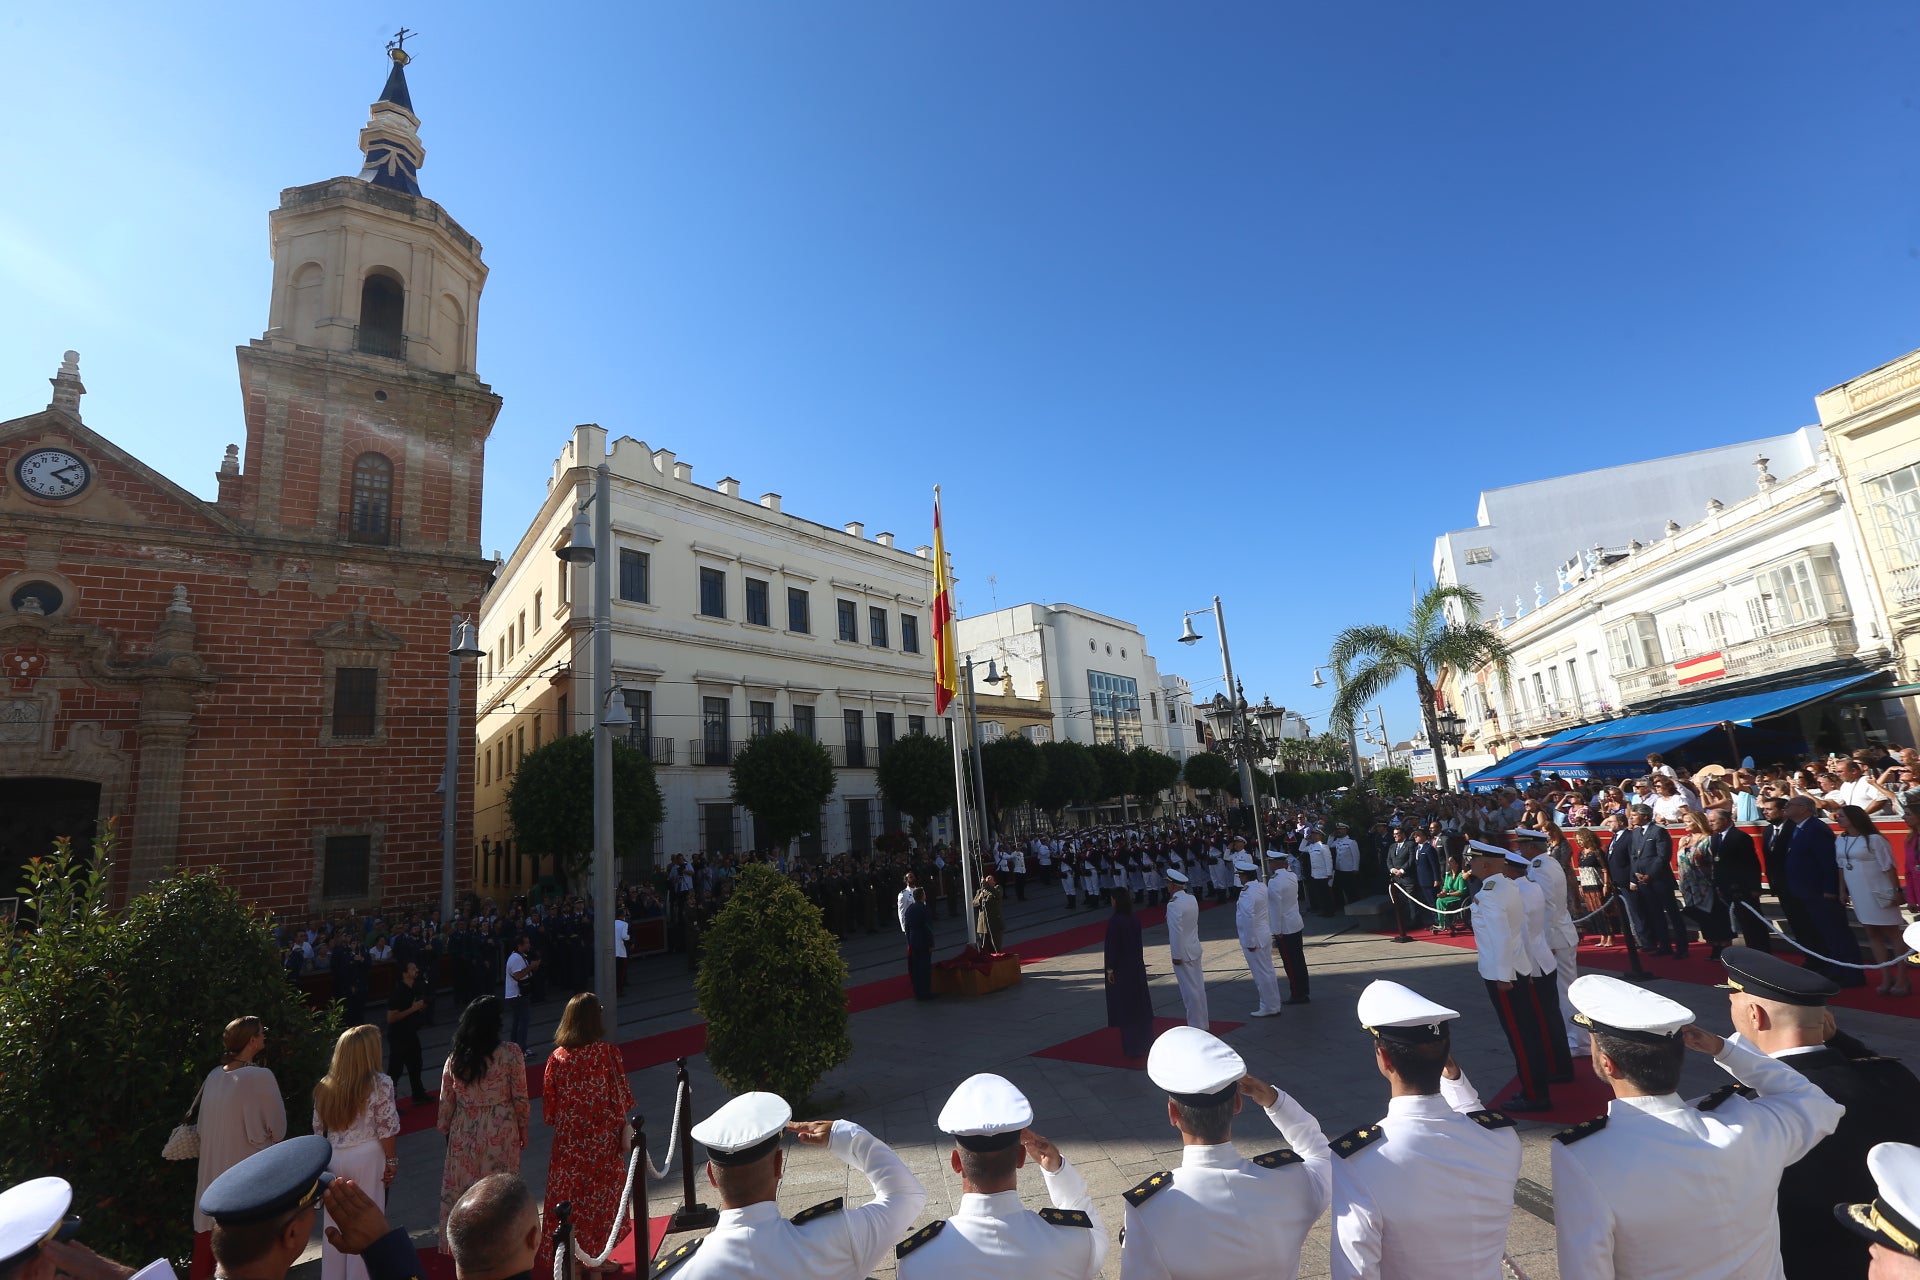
x,y
1370,658
1330,749
1295,752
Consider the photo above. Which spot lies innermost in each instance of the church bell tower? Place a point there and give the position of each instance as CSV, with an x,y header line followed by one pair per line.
x,y
366,424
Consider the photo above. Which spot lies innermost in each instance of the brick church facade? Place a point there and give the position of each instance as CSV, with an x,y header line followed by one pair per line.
x,y
259,683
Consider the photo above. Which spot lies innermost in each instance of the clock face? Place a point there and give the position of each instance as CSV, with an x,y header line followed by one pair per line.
x,y
53,473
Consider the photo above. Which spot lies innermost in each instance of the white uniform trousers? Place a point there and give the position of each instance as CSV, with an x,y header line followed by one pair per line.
x,y
1193,990
1265,984
1566,967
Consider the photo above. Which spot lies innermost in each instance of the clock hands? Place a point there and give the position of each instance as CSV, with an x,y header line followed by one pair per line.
x,y
72,473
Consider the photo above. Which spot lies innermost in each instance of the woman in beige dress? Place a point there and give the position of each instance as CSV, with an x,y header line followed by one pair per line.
x,y
241,1112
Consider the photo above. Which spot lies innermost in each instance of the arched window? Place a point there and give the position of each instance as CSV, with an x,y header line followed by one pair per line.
x,y
383,304
371,517
451,324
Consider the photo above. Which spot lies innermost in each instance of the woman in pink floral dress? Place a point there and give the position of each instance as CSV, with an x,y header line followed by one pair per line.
x,y
483,1105
586,1099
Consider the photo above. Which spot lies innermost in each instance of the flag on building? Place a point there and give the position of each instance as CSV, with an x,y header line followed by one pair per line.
x,y
946,667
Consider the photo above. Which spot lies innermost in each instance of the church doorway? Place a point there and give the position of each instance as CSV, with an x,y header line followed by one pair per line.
x,y
34,812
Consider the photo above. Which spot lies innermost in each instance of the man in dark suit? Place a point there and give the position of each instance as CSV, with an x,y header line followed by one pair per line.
x,y
1813,876
1619,858
1780,1009
1775,836
1400,876
1736,878
1650,885
1429,867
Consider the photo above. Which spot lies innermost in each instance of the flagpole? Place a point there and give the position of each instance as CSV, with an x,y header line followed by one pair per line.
x,y
960,826
944,689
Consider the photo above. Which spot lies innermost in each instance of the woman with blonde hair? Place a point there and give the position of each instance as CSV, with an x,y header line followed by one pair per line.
x,y
1592,874
585,1097
1700,901
353,1109
240,1111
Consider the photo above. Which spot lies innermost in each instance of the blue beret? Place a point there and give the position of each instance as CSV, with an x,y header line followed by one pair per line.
x,y
287,1175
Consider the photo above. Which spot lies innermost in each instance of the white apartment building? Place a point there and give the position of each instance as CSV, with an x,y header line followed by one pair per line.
x,y
1093,670
1176,703
731,618
1526,538
1758,590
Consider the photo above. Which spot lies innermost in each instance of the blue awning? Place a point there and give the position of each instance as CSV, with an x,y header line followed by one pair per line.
x,y
1614,745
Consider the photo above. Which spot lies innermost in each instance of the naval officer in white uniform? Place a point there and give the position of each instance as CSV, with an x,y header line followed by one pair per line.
x,y
992,1233
1183,941
1221,1216
828,1241
1662,1189
1429,1188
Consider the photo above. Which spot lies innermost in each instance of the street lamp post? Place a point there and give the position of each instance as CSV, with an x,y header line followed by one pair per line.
x,y
465,645
1353,748
593,545
1450,731
1189,636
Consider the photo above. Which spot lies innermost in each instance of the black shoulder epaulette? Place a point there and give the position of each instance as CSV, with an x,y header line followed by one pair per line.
x,y
1585,1129
1490,1119
1355,1139
919,1237
1141,1192
1065,1217
805,1216
1277,1159
675,1258
1720,1095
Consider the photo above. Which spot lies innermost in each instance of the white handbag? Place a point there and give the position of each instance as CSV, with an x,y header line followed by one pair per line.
x,y
184,1142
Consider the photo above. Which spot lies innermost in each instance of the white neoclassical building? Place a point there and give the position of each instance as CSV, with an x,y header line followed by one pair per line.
x,y
1093,670
1763,591
731,618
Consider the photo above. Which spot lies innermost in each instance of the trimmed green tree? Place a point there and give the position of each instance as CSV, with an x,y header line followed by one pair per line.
x,y
916,774
1012,767
1116,770
1208,771
110,1019
771,988
1153,772
1395,780
1070,776
550,803
782,779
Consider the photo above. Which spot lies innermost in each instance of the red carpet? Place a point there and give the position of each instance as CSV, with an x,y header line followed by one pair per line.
x,y
1696,968
685,1042
1584,1099
435,1265
1102,1048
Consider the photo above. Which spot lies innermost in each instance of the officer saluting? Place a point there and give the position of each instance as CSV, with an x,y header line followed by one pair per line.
x,y
1781,1010
1891,1220
744,1161
1431,1185
1220,1216
36,1237
1662,1188
993,1234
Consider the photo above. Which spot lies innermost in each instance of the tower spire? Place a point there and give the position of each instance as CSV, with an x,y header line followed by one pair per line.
x,y
391,139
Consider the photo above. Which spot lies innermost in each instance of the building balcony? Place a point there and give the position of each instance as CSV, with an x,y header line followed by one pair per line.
x,y
853,755
1647,682
1906,586
380,342
1807,645
658,750
1557,714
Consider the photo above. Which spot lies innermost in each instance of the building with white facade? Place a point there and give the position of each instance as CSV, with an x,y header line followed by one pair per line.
x,y
1094,671
1761,589
1526,538
1176,704
731,618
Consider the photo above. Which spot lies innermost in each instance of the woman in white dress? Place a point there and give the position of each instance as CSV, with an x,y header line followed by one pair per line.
x,y
353,1109
1867,883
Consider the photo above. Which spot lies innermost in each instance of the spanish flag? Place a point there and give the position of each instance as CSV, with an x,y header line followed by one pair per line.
x,y
946,667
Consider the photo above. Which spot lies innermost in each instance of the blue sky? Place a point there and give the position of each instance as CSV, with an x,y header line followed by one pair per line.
x,y
1243,298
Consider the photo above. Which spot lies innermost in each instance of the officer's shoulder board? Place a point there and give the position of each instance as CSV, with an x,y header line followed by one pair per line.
x,y
805,1216
1357,1139
919,1237
1144,1190
1065,1217
674,1259
1490,1119
1720,1095
1278,1159
1585,1129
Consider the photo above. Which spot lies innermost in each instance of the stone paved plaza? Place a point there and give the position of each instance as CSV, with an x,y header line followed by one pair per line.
x,y
1109,1122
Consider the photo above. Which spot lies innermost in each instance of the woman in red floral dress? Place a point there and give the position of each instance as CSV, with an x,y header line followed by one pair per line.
x,y
586,1099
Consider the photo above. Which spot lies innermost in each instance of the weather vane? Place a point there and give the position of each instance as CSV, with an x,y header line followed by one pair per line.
x,y
397,47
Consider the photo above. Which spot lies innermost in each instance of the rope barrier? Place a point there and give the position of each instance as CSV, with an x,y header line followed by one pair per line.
x,y
625,1211
1439,911
1603,907
1884,964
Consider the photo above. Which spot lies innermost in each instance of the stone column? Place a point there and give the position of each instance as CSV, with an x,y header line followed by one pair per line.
x,y
166,726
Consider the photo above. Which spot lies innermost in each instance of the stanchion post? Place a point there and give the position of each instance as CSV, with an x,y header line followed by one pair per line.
x,y
563,1239
642,1222
691,1215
